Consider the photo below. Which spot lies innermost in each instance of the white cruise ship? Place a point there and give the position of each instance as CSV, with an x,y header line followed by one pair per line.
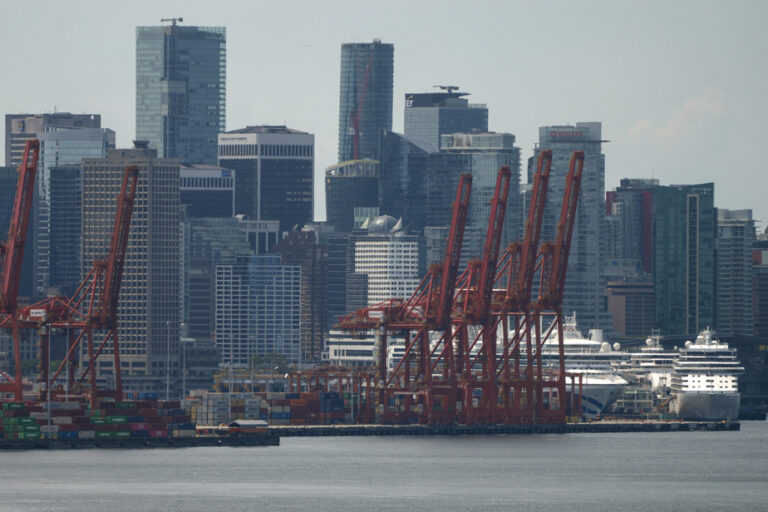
x,y
652,365
595,359
705,380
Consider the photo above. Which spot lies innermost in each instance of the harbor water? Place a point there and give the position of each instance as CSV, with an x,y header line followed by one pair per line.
x,y
682,471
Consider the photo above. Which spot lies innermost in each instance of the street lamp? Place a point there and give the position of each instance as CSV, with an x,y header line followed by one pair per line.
x,y
183,365
167,359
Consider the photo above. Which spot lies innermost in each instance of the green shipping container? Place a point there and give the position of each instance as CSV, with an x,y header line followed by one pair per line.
x,y
12,405
122,434
117,419
105,435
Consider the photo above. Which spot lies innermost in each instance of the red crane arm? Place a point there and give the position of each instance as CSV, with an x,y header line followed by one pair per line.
x,y
13,248
356,114
522,288
562,244
107,313
453,251
492,243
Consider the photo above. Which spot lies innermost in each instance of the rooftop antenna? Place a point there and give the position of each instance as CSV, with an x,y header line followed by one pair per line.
x,y
449,88
172,20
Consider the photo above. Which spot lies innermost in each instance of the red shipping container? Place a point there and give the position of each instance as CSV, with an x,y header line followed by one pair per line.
x,y
158,434
139,426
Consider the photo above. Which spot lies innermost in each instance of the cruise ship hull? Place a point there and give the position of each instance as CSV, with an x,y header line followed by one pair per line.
x,y
597,397
706,406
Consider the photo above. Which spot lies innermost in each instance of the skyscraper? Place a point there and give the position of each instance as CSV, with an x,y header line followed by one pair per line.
x,y
181,90
258,308
148,312
733,279
60,148
365,98
431,115
274,167
351,193
684,258
583,289
485,153
21,127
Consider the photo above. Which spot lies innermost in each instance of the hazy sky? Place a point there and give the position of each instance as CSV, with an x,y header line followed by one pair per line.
x,y
680,87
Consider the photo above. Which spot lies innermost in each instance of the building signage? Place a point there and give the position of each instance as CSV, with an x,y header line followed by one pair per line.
x,y
566,133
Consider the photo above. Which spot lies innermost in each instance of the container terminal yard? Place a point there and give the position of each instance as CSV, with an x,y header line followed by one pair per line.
x,y
472,362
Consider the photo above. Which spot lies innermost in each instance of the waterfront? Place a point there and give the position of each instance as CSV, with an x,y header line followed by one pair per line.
x,y
600,472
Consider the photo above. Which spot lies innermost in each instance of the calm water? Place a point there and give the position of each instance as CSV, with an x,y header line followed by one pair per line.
x,y
597,472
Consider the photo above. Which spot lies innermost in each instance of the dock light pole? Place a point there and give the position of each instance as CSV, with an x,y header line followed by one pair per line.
x,y
167,359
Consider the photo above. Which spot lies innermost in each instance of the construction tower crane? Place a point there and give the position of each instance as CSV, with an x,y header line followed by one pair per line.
x,y
355,115
12,253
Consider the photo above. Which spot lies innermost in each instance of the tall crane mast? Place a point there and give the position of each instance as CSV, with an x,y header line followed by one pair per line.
x,y
12,253
12,250
355,115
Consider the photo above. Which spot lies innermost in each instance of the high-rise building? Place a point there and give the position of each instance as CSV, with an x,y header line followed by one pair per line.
x,y
760,286
430,115
583,287
208,241
684,258
365,98
630,205
59,148
208,190
486,153
733,279
274,167
302,248
21,127
389,258
65,228
403,178
181,90
258,309
148,312
351,193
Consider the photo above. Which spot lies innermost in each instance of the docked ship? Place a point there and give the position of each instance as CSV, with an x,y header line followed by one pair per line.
x,y
595,359
651,366
705,380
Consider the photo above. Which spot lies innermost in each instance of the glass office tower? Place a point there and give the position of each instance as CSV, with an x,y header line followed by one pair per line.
x,y
181,90
365,98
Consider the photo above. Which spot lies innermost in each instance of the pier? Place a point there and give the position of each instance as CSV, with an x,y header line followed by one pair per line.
x,y
463,430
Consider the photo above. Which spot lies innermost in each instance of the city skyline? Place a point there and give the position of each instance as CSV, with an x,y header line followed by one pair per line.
x,y
675,86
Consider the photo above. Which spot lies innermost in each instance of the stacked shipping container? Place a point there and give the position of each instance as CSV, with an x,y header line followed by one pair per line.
x,y
143,418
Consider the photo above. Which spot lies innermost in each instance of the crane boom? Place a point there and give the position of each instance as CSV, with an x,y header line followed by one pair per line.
x,y
492,243
13,248
107,313
453,251
521,292
562,245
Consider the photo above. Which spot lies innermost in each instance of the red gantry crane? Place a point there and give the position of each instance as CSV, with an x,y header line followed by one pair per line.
x,y
442,377
12,254
93,306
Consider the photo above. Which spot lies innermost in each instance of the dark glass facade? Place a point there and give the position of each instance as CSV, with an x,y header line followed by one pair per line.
x,y
274,168
350,186
66,195
181,90
684,252
365,97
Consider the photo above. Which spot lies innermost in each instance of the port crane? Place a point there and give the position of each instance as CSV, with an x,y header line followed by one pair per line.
x,y
12,254
93,307
444,377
